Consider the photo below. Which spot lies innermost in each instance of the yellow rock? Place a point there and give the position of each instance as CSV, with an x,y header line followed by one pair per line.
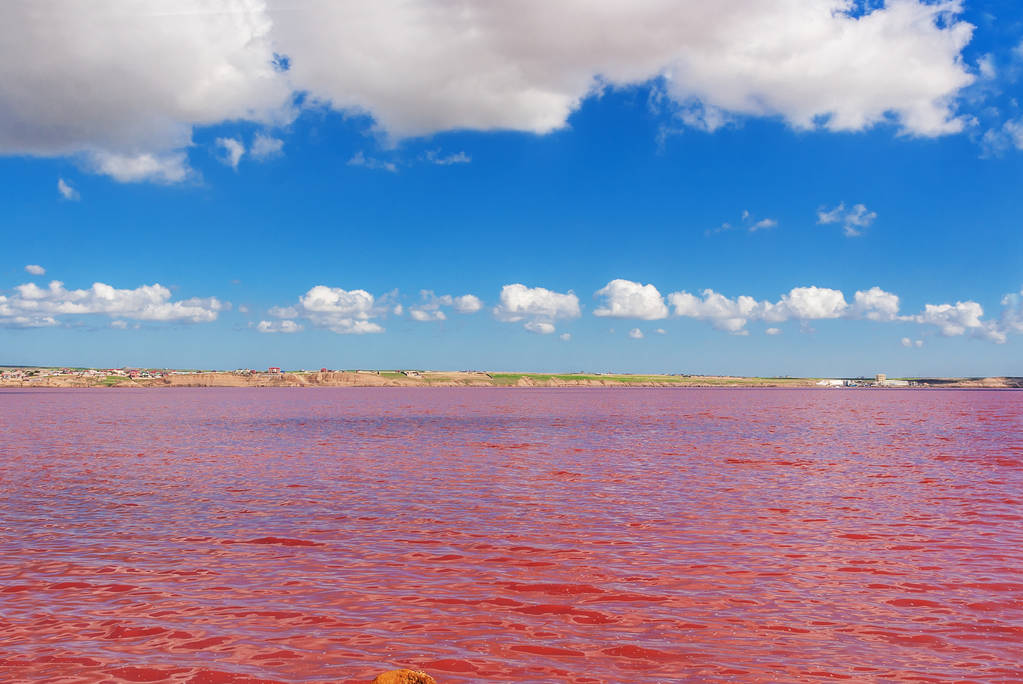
x,y
404,677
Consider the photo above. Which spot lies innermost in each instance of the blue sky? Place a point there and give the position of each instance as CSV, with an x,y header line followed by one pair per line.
x,y
804,188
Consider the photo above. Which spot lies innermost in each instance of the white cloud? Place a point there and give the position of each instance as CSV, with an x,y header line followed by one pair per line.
x,y
961,318
283,311
732,315
429,307
426,316
35,269
119,324
808,303
33,305
773,331
539,327
997,141
123,81
285,326
875,304
346,312
232,150
906,342
1012,310
748,221
134,168
952,319
636,334
852,220
565,337
435,157
729,315
541,306
661,331
986,66
467,304
419,68
628,299
360,159
265,146
243,309
66,191
432,66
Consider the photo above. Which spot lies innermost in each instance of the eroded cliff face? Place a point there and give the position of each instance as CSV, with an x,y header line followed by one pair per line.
x,y
451,379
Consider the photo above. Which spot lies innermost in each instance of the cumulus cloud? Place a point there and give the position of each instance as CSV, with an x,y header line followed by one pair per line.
x,y
636,334
285,326
426,316
426,67
628,299
35,269
1012,309
66,191
539,306
430,306
346,312
808,303
32,306
231,151
875,304
539,327
419,68
729,315
853,221
466,304
283,311
265,146
961,318
565,337
134,168
906,342
800,303
178,64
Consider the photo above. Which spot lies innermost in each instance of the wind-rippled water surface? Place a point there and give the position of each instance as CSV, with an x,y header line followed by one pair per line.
x,y
620,535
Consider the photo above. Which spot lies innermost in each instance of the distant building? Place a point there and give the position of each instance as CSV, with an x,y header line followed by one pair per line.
x,y
880,378
324,370
273,370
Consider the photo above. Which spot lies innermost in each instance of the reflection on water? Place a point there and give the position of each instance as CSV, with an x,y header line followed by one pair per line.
x,y
641,535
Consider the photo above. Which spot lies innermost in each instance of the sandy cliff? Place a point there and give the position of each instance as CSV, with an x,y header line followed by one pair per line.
x,y
458,379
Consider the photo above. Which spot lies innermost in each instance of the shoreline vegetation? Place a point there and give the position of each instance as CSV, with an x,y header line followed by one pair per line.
x,y
151,378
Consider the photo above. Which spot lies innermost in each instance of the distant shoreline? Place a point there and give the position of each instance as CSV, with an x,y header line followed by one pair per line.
x,y
364,378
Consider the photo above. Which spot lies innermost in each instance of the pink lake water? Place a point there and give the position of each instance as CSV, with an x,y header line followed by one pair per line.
x,y
590,535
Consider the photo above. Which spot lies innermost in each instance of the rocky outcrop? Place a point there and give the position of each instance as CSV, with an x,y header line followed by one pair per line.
x,y
404,677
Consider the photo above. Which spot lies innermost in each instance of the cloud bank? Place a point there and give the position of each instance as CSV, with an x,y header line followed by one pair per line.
x,y
538,306
124,84
32,306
